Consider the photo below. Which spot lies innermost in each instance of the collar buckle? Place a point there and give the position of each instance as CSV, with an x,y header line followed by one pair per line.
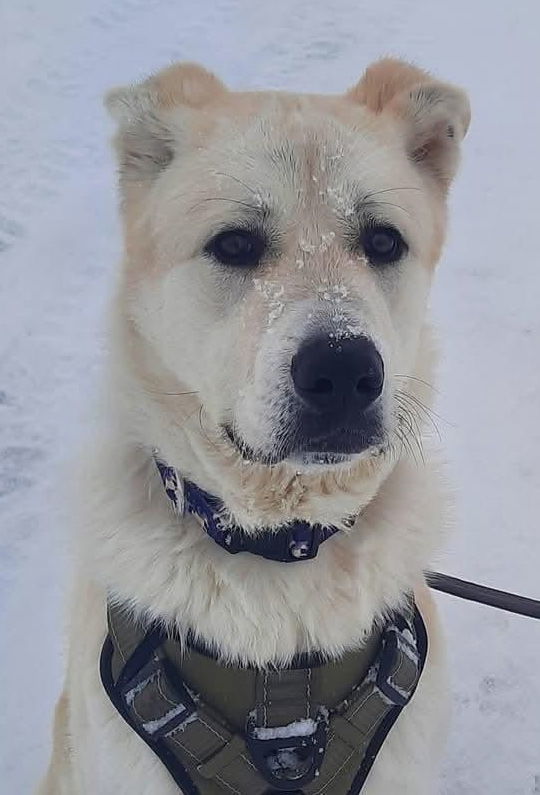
x,y
303,541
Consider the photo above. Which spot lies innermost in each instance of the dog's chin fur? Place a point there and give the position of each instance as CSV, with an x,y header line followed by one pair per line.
x,y
134,549
247,609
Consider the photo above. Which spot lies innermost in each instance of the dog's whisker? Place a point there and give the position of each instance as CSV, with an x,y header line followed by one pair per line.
x,y
420,380
412,412
414,444
420,410
204,431
399,435
388,190
425,411
236,179
391,449
428,409
251,207
170,394
418,402
405,444
388,204
411,432
188,418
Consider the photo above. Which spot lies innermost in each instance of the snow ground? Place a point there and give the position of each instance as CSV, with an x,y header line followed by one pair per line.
x,y
58,247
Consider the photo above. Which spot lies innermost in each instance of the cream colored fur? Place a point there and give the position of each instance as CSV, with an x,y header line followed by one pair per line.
x,y
194,347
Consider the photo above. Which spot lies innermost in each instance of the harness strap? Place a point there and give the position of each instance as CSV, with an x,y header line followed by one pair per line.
x,y
289,741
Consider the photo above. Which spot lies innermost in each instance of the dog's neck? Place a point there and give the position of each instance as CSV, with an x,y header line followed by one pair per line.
x,y
250,609
292,542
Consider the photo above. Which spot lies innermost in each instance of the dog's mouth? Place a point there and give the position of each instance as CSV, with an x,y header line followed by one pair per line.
x,y
322,459
337,449
247,452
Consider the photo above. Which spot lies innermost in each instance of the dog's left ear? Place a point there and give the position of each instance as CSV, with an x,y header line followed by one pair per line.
x,y
435,115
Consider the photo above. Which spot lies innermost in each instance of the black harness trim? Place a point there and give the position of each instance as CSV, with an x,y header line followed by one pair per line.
x,y
388,722
147,657
158,746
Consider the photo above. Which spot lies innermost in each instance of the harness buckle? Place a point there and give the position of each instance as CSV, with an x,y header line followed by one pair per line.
x,y
395,643
288,762
157,700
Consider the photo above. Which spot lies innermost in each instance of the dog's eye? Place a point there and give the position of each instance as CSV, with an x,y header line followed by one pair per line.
x,y
237,247
382,244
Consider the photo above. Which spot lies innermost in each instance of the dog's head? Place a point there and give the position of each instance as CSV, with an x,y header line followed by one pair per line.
x,y
280,250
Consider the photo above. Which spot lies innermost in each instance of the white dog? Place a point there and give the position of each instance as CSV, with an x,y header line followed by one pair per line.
x,y
269,349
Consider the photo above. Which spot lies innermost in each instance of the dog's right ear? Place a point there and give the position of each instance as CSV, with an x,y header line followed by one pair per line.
x,y
149,125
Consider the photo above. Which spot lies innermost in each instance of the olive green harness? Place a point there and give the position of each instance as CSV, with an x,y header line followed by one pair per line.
x,y
311,728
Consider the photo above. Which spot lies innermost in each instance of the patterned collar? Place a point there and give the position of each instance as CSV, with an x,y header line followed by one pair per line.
x,y
290,543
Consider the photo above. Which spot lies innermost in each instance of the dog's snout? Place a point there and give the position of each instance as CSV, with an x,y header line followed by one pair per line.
x,y
338,375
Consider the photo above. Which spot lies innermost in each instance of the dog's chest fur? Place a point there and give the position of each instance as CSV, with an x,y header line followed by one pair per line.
x,y
246,607
251,609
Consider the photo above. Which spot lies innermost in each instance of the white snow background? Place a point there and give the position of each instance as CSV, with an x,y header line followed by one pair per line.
x,y
60,243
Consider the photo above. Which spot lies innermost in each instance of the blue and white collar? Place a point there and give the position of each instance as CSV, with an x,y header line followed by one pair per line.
x,y
290,543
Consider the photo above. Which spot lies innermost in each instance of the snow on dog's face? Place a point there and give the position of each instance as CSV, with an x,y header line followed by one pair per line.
x,y
280,249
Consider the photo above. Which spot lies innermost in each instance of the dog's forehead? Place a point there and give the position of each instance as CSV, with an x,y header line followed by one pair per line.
x,y
301,142
300,131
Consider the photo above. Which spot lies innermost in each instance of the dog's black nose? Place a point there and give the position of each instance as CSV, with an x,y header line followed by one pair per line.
x,y
338,376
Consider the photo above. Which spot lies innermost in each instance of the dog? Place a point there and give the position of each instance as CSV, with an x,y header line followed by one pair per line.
x,y
269,345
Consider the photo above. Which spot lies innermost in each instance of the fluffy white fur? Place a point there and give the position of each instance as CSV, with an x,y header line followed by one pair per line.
x,y
193,348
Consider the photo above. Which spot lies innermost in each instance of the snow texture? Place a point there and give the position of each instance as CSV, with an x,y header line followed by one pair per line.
x,y
59,244
153,726
288,763
298,728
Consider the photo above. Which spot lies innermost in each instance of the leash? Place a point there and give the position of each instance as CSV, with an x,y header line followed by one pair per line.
x,y
503,600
